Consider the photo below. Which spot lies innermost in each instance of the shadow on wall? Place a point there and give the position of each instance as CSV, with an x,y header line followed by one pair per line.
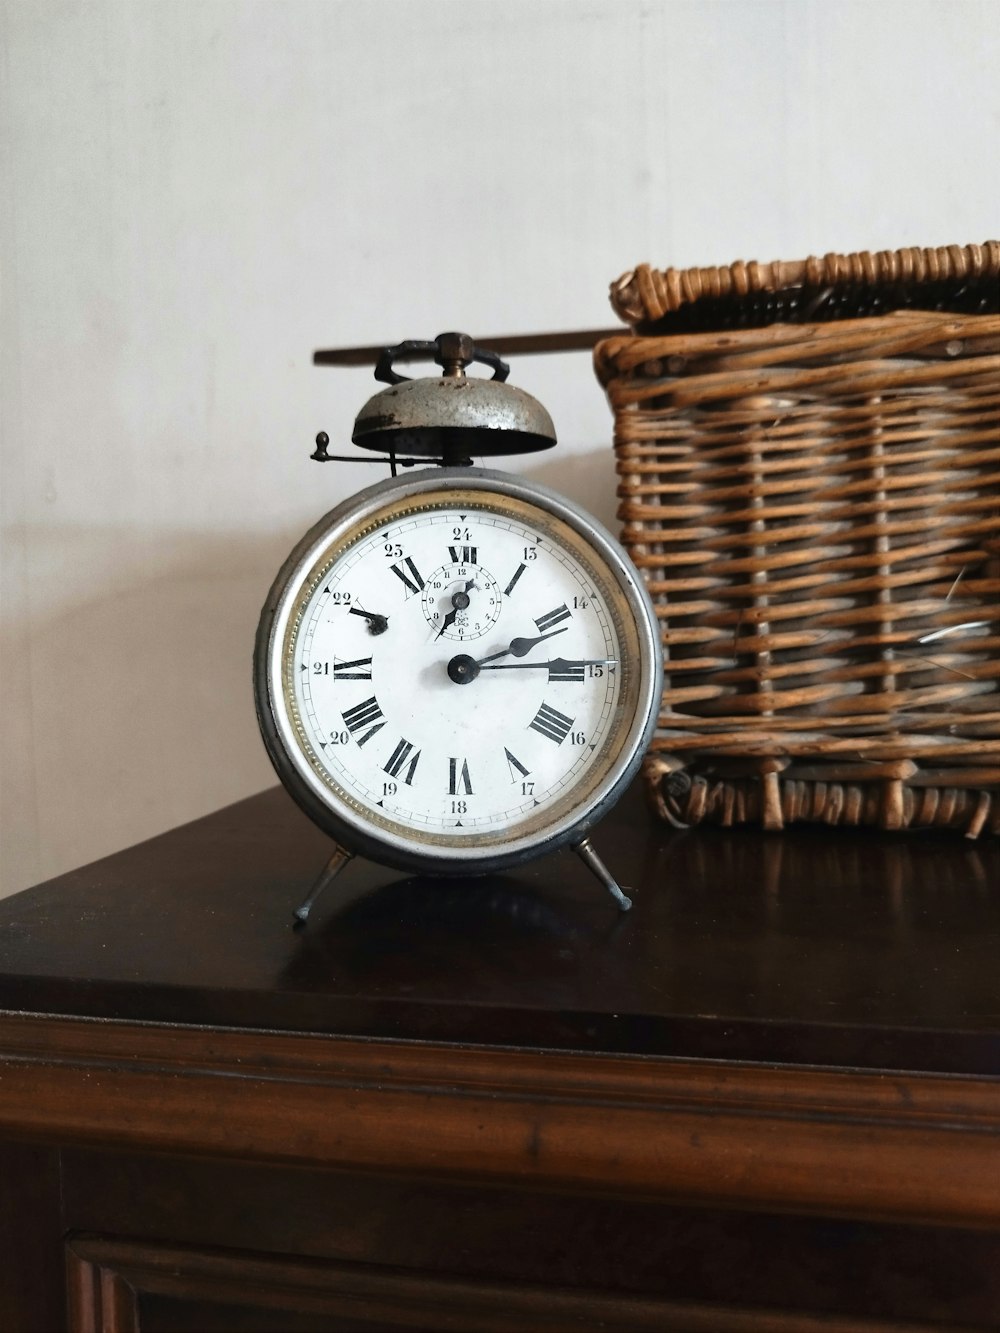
x,y
140,696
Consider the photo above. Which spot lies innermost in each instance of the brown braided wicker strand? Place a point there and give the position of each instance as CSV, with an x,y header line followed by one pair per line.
x,y
816,509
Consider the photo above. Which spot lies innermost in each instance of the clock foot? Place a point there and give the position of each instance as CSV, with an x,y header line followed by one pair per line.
x,y
597,867
330,871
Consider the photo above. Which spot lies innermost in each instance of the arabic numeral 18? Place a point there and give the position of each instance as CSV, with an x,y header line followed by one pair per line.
x,y
459,807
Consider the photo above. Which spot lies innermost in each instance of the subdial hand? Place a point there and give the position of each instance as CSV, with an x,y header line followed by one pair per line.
x,y
459,602
377,624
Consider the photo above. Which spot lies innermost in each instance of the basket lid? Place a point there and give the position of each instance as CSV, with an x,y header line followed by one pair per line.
x,y
955,278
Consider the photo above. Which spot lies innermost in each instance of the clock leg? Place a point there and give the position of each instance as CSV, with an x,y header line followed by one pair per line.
x,y
330,871
597,867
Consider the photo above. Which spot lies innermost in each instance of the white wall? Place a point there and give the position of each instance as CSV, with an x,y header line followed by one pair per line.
x,y
197,193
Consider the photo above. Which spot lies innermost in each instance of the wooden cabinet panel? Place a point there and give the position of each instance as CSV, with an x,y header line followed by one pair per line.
x,y
122,1287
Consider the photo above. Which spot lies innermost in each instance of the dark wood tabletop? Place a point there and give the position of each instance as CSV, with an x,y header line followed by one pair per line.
x,y
813,946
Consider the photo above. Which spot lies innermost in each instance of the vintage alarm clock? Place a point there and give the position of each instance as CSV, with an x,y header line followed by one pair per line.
x,y
457,669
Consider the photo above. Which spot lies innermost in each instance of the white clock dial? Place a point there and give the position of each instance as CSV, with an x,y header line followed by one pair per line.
x,y
456,672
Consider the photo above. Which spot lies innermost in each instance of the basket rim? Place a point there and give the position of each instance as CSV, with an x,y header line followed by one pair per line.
x,y
772,344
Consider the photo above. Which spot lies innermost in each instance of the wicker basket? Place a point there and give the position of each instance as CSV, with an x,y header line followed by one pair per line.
x,y
815,505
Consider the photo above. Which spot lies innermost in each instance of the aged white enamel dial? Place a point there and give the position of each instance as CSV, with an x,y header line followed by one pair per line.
x,y
457,670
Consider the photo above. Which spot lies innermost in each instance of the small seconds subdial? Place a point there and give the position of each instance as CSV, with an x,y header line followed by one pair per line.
x,y
461,600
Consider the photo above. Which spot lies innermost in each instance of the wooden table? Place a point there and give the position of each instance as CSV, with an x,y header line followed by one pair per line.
x,y
767,1098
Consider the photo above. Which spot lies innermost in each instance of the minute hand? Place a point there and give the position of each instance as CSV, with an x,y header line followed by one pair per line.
x,y
557,665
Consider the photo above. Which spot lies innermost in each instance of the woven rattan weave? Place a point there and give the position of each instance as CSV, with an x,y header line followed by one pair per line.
x,y
816,509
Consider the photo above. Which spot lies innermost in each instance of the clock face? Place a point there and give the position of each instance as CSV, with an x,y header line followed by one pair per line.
x,y
457,672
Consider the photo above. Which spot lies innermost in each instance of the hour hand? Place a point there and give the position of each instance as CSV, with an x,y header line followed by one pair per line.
x,y
377,624
521,647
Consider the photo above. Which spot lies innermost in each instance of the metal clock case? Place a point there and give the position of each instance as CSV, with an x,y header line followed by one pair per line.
x,y
457,670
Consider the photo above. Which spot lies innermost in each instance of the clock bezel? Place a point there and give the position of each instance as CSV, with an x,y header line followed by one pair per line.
x,y
349,827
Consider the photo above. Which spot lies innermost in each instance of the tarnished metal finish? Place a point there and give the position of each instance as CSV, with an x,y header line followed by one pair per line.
x,y
432,417
451,417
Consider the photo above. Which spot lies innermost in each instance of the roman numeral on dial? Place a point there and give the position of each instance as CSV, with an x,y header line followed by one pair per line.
x,y
357,670
463,555
366,714
559,670
551,723
546,622
458,778
512,763
415,583
514,578
398,758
